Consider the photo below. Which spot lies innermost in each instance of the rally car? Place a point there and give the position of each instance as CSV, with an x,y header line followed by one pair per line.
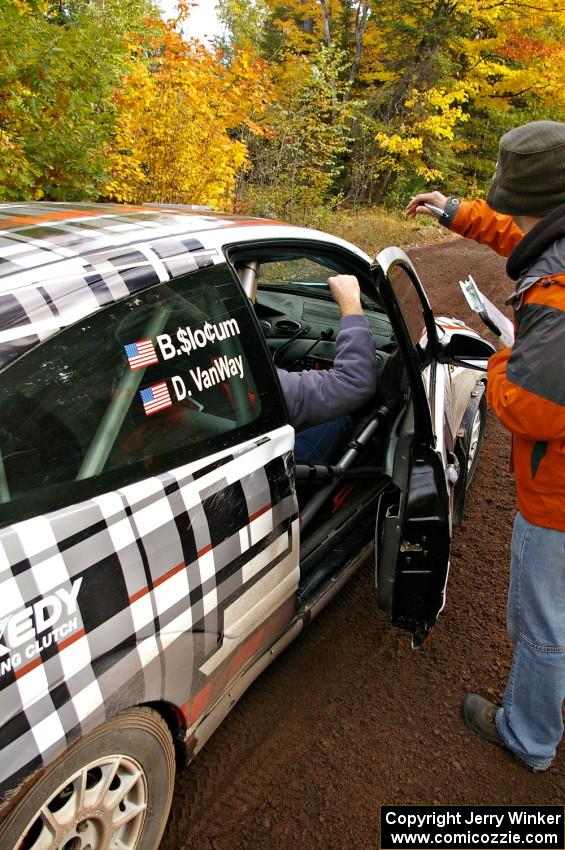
x,y
159,542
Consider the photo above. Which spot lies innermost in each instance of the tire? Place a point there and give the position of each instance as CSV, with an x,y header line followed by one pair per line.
x,y
112,789
475,439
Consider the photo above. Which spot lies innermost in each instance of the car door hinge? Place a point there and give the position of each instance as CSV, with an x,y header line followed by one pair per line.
x,y
406,546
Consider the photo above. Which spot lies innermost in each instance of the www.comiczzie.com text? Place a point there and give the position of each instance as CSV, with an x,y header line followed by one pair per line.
x,y
463,827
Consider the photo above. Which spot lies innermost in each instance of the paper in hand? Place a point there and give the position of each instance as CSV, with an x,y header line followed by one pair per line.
x,y
496,322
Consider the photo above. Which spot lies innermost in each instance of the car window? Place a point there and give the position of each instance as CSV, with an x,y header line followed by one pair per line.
x,y
306,273
408,300
295,271
161,378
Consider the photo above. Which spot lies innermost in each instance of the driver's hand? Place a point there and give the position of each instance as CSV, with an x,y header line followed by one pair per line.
x,y
346,293
436,199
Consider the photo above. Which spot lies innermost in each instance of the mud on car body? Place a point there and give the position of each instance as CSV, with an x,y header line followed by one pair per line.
x,y
151,563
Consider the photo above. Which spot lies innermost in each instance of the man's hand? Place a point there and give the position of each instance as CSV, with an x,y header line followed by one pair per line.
x,y
346,293
436,199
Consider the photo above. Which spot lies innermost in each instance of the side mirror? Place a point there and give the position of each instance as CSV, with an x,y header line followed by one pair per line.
x,y
463,349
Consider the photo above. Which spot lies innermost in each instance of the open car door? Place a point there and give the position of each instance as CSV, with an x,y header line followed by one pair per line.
x,y
412,536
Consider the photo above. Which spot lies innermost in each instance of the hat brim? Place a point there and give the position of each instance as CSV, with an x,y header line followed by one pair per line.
x,y
501,201
510,203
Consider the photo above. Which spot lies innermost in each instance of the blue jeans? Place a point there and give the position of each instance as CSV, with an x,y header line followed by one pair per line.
x,y
530,721
320,443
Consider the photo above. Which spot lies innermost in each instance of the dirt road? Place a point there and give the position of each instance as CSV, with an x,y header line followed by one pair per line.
x,y
349,717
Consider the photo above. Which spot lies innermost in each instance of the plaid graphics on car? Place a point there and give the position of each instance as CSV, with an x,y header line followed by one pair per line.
x,y
86,260
139,595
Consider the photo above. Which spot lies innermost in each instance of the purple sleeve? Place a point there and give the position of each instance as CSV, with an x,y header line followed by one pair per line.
x,y
317,396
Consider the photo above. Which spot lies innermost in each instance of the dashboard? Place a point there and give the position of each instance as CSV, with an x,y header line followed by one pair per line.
x,y
300,328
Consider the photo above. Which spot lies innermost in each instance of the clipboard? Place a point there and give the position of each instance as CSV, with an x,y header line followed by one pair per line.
x,y
497,323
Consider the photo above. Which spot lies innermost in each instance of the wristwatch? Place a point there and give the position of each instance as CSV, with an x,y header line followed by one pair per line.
x,y
451,206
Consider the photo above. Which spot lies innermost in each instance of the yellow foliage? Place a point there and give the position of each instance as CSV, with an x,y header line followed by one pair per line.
x,y
298,24
420,90
31,8
395,144
179,118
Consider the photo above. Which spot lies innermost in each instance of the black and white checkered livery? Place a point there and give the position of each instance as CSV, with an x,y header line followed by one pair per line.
x,y
139,595
61,262
59,265
147,592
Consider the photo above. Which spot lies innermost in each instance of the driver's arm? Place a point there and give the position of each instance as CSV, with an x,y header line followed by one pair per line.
x,y
313,396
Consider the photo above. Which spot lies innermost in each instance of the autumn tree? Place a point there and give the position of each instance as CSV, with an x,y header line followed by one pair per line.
x,y
453,76
303,103
295,167
60,64
429,86
181,116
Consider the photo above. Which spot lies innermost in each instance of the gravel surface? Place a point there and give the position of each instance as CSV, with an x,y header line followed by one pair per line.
x,y
349,717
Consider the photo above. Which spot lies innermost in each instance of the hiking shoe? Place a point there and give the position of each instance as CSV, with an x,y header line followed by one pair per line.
x,y
480,716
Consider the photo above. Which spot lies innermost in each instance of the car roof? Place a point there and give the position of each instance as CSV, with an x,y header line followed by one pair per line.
x,y
60,262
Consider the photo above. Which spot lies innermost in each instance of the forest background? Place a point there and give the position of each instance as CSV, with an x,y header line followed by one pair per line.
x,y
300,108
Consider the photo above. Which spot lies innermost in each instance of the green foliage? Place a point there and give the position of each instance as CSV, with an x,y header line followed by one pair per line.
x,y
295,168
60,64
431,87
245,22
307,103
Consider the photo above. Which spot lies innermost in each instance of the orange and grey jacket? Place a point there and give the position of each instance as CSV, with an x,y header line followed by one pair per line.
x,y
526,384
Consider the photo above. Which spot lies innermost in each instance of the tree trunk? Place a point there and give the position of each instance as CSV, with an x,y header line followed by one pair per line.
x,y
326,22
360,26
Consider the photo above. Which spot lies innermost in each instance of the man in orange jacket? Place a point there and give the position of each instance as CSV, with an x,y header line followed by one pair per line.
x,y
523,218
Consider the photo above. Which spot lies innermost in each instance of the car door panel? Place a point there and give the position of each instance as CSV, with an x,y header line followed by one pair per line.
x,y
412,535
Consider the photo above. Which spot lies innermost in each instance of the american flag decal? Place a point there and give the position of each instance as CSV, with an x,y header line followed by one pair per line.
x,y
141,354
155,398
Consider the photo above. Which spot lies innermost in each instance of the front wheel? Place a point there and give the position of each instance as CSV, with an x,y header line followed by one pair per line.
x,y
476,434
111,790
467,451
